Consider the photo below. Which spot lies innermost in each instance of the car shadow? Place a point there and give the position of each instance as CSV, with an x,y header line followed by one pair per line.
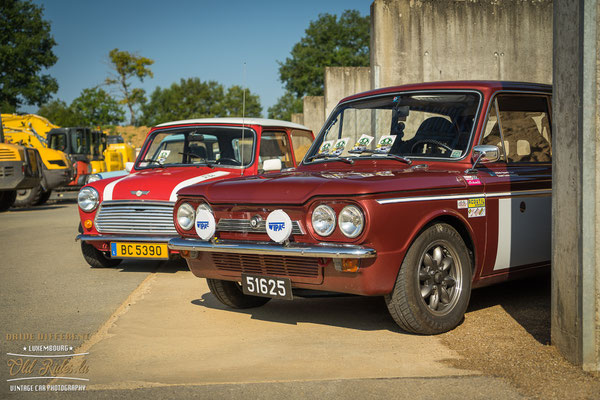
x,y
526,300
152,266
353,312
38,208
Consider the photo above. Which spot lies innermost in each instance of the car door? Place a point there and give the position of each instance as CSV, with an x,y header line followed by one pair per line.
x,y
519,186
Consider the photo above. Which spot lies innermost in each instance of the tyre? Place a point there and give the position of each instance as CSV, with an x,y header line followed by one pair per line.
x,y
28,197
96,258
44,196
231,294
433,286
7,198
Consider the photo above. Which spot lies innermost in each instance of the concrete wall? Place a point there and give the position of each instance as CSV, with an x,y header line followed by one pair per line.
x,y
314,112
344,81
576,182
298,118
433,40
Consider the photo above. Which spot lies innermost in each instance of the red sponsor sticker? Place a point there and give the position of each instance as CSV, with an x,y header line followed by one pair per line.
x,y
472,180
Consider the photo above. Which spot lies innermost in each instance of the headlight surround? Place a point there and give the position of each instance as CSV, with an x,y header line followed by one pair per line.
x,y
88,199
323,220
351,221
186,216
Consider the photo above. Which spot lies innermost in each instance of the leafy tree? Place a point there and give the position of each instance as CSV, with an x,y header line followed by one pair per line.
x,y
193,98
25,50
95,107
328,42
58,113
287,105
127,66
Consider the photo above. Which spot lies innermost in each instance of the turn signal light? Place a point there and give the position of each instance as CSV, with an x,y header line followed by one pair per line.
x,y
185,253
88,224
350,264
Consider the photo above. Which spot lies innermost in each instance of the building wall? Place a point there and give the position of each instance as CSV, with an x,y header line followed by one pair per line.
x,y
433,40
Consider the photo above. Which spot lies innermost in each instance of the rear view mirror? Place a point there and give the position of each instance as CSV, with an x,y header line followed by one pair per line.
x,y
483,153
274,164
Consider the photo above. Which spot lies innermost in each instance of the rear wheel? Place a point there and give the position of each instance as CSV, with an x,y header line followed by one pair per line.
x,y
95,258
433,286
231,294
7,198
28,197
43,197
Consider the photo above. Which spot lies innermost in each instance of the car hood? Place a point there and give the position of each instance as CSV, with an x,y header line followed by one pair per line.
x,y
298,187
158,184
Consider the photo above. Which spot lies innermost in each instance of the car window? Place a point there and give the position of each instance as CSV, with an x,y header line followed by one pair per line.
x,y
523,133
275,145
301,140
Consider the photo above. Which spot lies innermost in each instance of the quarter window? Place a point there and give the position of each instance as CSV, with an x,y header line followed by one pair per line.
x,y
275,145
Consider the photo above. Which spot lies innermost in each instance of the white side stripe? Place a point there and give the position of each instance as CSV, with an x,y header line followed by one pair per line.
x,y
528,193
192,181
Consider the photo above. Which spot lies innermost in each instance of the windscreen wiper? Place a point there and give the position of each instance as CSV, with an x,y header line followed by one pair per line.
x,y
384,154
153,162
330,157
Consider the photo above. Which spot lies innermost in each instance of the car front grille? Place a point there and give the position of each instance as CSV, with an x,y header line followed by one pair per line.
x,y
136,217
244,226
299,269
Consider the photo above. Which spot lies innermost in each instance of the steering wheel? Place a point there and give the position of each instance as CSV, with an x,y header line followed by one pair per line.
x,y
430,141
226,160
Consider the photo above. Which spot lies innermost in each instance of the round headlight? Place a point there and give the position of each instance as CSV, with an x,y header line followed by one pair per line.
x,y
323,220
88,199
92,178
204,206
186,216
351,221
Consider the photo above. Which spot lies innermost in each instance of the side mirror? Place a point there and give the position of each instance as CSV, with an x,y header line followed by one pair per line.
x,y
484,153
274,164
128,166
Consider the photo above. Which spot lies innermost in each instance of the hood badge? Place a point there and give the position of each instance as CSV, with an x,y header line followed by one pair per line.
x,y
140,193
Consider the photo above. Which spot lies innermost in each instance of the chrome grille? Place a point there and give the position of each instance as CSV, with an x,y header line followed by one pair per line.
x,y
243,226
136,217
5,172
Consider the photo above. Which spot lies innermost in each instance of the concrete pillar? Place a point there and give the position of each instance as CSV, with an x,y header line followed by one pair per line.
x,y
298,118
314,113
576,182
341,82
433,40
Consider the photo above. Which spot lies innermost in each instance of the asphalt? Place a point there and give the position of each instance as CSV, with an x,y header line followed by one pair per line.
x,y
154,330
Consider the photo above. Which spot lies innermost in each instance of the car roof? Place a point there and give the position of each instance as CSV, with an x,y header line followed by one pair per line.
x,y
237,121
445,85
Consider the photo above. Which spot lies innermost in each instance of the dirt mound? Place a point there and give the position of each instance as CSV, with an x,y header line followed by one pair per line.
x,y
132,134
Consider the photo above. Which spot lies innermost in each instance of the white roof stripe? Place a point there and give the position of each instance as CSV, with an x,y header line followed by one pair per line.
x,y
238,121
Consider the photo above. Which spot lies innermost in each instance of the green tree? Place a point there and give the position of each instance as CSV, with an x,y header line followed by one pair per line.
x,y
127,66
287,105
328,42
25,51
57,112
193,98
95,107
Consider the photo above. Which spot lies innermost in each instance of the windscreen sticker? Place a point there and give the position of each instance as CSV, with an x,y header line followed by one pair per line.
x,y
385,143
472,180
326,147
339,146
162,156
456,153
363,143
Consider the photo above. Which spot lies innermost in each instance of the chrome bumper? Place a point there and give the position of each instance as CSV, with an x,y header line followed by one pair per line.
x,y
274,249
121,238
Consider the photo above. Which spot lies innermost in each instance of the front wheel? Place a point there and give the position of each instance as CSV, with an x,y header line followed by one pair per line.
x,y
231,294
28,197
433,286
95,258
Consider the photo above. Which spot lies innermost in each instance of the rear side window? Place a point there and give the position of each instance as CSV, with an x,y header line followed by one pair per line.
x,y
523,130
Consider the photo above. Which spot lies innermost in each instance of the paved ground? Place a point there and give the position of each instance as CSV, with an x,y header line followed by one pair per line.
x,y
153,330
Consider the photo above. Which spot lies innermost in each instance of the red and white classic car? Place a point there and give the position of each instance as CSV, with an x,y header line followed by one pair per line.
x,y
418,193
132,216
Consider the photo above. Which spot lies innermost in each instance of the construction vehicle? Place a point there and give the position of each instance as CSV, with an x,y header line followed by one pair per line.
x,y
117,153
20,168
30,131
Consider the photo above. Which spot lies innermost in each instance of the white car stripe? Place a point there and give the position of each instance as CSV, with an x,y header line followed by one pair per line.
x,y
108,189
195,180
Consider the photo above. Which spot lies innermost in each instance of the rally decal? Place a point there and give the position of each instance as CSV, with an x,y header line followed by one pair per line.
x,y
195,180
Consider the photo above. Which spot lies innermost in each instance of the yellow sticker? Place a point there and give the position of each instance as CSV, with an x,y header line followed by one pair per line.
x,y
480,202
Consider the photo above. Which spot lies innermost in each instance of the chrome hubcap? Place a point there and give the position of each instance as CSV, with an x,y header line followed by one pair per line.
x,y
440,278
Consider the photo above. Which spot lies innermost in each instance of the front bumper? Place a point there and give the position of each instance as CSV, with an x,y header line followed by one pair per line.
x,y
335,251
123,238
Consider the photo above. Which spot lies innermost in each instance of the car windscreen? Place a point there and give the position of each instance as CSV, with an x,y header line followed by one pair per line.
x,y
428,124
222,146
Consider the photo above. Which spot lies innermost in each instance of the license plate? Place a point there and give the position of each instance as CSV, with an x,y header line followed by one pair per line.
x,y
266,286
139,250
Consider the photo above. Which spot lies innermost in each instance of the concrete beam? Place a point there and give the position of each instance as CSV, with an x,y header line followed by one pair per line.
x,y
314,113
298,118
341,82
576,182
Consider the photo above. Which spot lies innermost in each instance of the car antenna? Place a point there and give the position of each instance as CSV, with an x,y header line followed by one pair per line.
x,y
243,120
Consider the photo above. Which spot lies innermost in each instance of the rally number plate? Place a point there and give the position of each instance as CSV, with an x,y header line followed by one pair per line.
x,y
139,250
267,286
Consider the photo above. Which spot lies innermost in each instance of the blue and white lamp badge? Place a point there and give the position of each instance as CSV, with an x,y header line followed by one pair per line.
x,y
205,224
279,226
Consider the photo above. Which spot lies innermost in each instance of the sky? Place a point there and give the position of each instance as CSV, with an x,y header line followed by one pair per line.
x,y
211,40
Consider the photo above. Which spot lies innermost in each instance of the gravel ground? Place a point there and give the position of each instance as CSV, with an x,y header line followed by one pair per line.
x,y
506,334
